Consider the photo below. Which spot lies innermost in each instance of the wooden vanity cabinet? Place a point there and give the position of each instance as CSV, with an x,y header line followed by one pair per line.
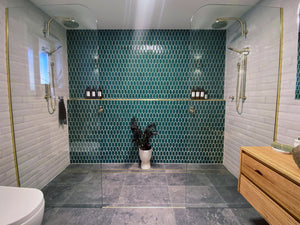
x,y
270,181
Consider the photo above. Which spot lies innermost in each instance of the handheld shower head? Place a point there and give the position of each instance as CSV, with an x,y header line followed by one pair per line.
x,y
50,52
244,51
235,50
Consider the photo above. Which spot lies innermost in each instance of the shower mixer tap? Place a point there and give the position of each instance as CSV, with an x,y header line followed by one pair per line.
x,y
192,110
100,109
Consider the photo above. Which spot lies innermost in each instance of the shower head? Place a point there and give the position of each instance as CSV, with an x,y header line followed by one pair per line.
x,y
235,50
49,53
243,25
219,24
244,51
70,23
46,31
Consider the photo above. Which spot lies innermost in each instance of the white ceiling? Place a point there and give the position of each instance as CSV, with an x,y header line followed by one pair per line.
x,y
136,14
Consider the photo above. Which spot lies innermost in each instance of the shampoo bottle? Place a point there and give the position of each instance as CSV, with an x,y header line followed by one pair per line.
x,y
193,93
99,93
202,93
87,92
93,92
198,93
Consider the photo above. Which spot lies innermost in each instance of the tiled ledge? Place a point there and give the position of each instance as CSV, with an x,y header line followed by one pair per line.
x,y
157,99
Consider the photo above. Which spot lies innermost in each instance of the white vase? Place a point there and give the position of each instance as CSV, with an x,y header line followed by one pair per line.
x,y
145,156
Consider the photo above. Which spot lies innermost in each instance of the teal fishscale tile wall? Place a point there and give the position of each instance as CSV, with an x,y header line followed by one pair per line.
x,y
146,64
297,94
182,137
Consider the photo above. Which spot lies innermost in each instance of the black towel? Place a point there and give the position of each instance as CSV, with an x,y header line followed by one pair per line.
x,y
62,114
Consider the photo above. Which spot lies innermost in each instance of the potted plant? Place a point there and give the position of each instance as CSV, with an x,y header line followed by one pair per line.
x,y
142,140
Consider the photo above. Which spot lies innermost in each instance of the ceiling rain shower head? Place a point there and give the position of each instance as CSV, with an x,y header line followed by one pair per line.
x,y
219,24
67,21
70,23
243,25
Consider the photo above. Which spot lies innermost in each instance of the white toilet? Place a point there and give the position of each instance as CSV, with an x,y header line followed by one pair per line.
x,y
21,206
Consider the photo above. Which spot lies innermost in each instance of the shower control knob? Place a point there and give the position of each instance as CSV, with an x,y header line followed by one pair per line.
x,y
192,110
231,98
100,109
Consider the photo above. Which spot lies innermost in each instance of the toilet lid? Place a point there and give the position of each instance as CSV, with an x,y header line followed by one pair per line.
x,y
19,204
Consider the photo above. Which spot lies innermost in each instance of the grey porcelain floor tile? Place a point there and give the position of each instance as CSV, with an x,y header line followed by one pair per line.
x,y
177,195
111,194
86,194
176,179
209,171
180,216
191,166
113,180
173,166
202,195
70,178
57,194
160,166
146,179
49,215
77,167
231,196
93,179
117,166
144,195
79,216
248,216
222,180
154,166
135,166
197,180
144,217
211,216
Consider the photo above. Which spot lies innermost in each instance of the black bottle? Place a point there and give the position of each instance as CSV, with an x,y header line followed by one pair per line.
x,y
193,94
87,92
202,92
99,93
198,93
93,93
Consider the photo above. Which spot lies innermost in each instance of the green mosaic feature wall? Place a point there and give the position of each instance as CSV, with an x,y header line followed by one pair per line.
x,y
182,138
297,94
146,63
143,64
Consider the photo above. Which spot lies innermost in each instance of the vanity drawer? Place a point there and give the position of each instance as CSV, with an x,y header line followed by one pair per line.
x,y
268,208
283,191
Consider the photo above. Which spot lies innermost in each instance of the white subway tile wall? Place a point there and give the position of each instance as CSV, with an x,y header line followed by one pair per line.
x,y
289,116
42,145
255,125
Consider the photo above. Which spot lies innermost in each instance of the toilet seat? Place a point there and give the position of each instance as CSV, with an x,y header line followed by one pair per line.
x,y
18,205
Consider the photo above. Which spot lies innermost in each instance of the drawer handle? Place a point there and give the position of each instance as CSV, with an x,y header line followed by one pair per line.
x,y
257,171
